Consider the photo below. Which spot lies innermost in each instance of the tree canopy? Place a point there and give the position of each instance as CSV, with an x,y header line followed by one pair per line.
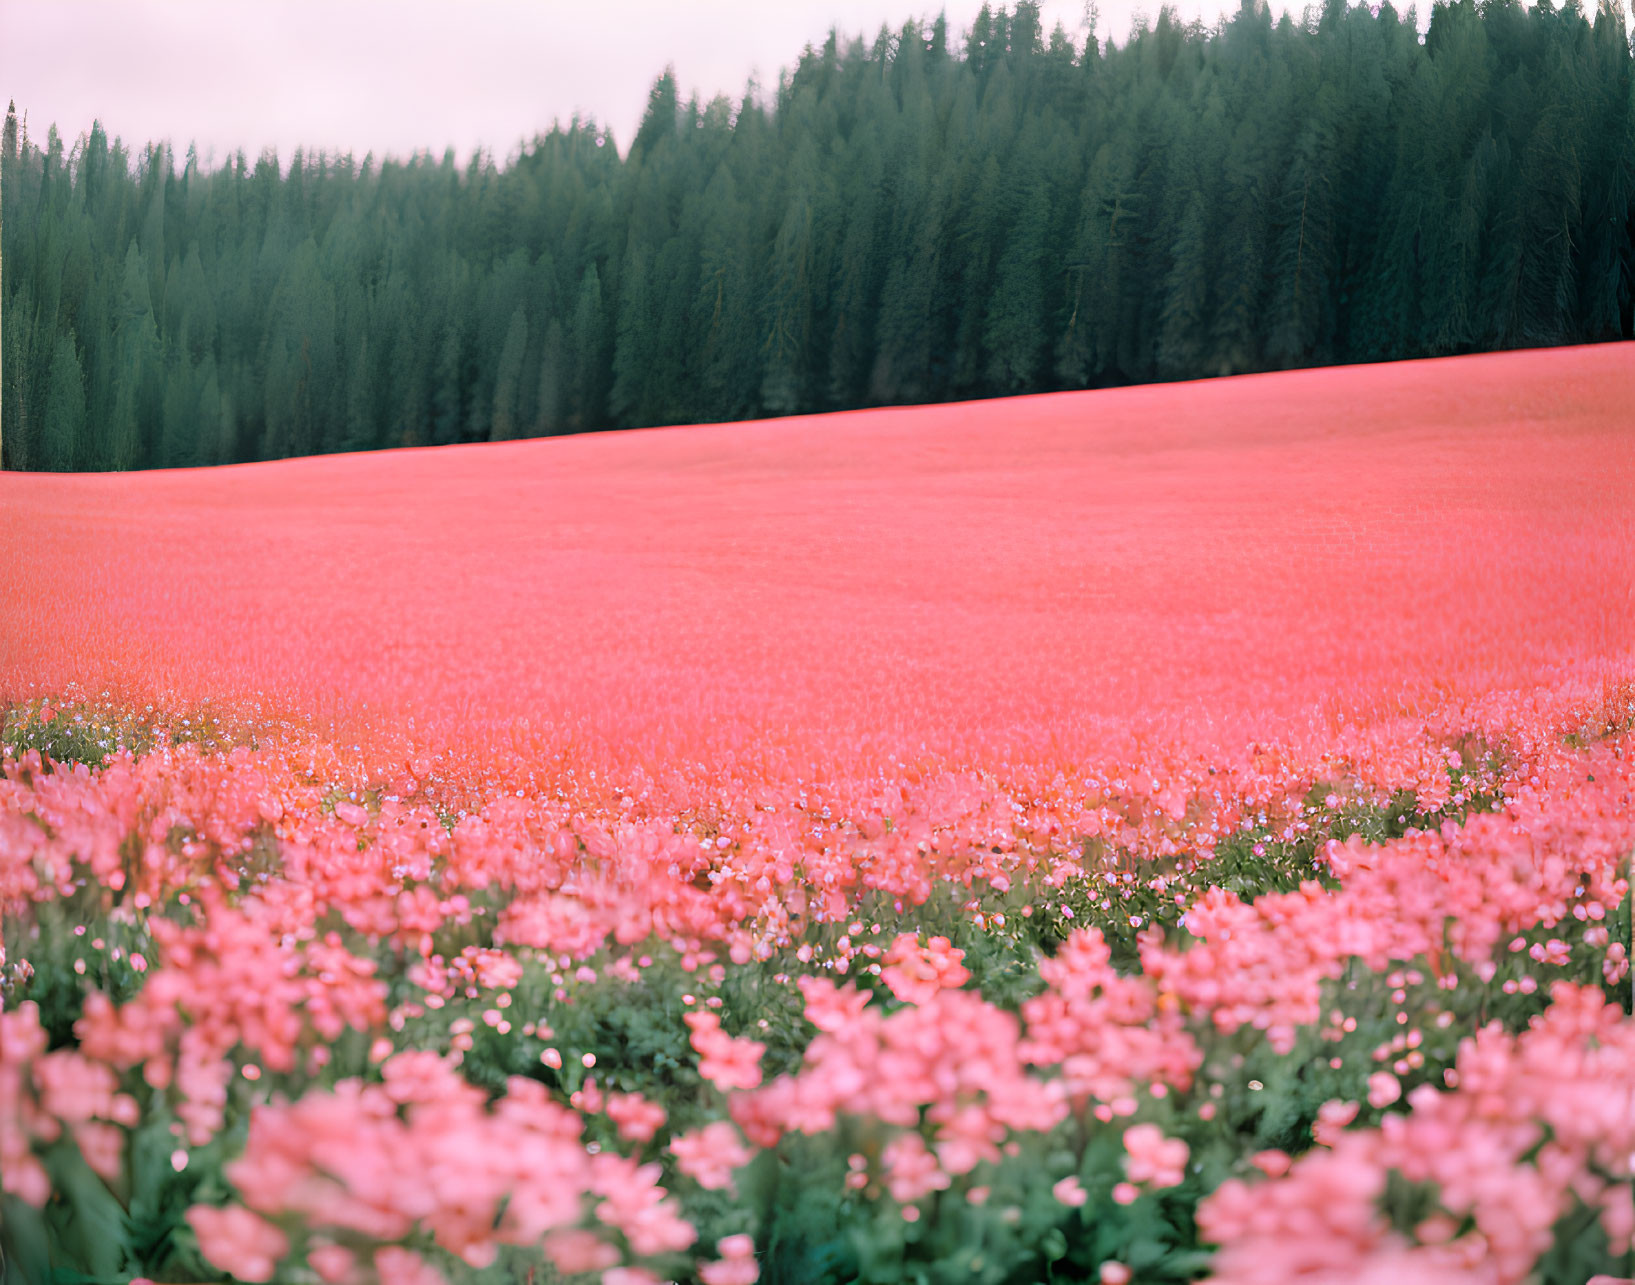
x,y
907,219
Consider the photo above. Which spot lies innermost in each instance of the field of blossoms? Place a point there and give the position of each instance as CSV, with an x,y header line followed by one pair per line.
x,y
1152,835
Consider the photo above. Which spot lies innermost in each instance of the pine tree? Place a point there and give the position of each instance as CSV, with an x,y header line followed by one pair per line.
x,y
218,428
589,382
549,417
64,420
633,345
10,455
507,417
976,235
788,310
179,436
18,335
727,363
132,439
190,311
1299,324
908,330
448,386
362,431
1607,226
659,121
302,412
852,340
1550,212
1014,332
1183,336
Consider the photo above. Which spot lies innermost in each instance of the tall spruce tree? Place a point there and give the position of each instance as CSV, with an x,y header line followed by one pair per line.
x,y
63,428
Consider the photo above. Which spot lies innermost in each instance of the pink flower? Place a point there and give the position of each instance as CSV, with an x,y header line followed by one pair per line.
x,y
238,1242
736,1266
396,1266
418,1076
1069,1191
1153,1157
1332,1118
575,1250
1274,1164
637,1118
725,1062
912,1172
629,1276
335,1264
830,1007
711,1155
103,1147
915,973
1618,1218
588,1098
1383,1089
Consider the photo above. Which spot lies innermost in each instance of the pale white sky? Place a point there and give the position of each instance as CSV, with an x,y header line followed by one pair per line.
x,y
396,76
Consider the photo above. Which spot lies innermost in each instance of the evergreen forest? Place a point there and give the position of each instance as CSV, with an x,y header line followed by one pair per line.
x,y
927,217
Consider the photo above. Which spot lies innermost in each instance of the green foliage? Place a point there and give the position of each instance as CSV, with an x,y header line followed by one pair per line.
x,y
1580,1251
91,1234
816,1232
911,219
90,732
82,734
811,1227
73,946
618,1016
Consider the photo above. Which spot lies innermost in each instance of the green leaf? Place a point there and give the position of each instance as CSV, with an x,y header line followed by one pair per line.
x,y
89,1226
1188,1263
25,1254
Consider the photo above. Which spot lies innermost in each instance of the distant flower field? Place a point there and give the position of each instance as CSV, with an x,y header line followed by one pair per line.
x,y
1152,835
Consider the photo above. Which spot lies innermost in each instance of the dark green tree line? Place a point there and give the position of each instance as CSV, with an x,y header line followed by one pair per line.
x,y
918,218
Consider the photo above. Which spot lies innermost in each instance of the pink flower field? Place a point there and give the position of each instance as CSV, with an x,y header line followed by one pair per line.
x,y
1149,835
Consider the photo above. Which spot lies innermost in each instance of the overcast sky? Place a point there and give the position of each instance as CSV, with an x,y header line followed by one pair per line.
x,y
397,76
